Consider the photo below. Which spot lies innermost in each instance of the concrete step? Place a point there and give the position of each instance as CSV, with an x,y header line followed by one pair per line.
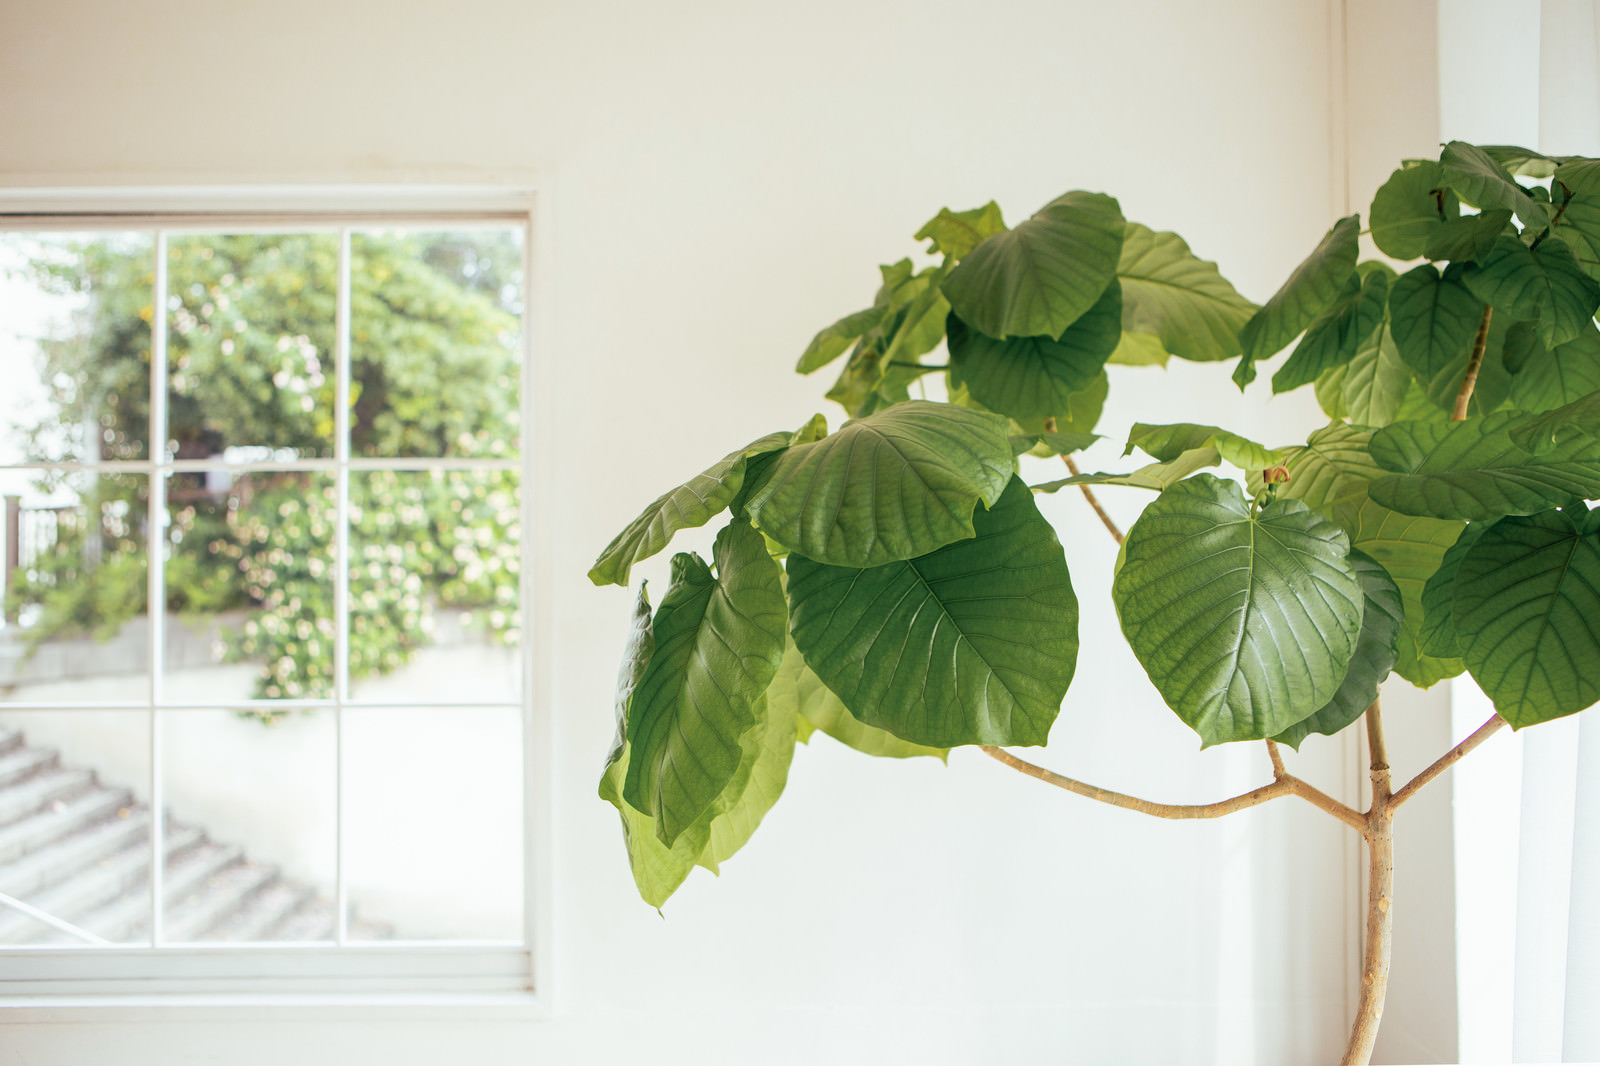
x,y
40,791
10,739
20,763
314,919
93,889
262,915
61,818
128,918
228,891
67,857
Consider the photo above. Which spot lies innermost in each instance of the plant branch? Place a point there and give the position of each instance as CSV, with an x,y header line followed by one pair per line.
x,y
1282,785
1447,760
1479,343
1088,494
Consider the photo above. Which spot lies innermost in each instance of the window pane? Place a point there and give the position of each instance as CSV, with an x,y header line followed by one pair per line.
x,y
435,321
433,821
75,627
250,587
75,313
75,824
433,585
251,839
250,345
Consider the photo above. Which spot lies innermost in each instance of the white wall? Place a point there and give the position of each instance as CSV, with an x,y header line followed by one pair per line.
x,y
717,180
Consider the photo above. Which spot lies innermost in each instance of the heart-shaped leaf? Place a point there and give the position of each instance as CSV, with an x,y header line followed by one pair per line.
x,y
1332,469
820,708
955,233
1315,284
1437,634
1482,182
718,641
1338,333
1527,614
894,485
1035,280
1177,300
1246,620
1543,284
1410,208
1374,657
1434,320
972,644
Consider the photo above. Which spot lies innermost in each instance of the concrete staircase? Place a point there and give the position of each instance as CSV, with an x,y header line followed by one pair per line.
x,y
79,850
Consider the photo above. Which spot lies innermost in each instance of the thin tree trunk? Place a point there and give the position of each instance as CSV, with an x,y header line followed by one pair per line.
x,y
1379,835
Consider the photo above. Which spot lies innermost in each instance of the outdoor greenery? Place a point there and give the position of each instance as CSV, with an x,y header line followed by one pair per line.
x,y
251,340
894,584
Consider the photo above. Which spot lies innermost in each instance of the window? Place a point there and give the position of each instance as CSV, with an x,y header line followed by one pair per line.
x,y
265,684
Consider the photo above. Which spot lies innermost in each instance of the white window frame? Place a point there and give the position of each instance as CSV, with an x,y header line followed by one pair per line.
x,y
40,984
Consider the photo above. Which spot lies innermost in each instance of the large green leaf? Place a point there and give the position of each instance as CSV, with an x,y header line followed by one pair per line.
x,y
1434,320
1157,477
1410,549
1035,280
1521,161
1543,283
763,773
1437,634
1315,284
1482,182
1578,174
1491,385
1374,383
1409,208
833,341
1177,300
895,485
1036,377
920,330
972,644
1579,226
820,708
694,503
718,641
1539,434
1338,333
1472,470
955,233
1332,469
635,657
1462,240
1527,614
1551,378
1245,620
1375,655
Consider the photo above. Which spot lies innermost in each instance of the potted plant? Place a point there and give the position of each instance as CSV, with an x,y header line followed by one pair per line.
x,y
892,583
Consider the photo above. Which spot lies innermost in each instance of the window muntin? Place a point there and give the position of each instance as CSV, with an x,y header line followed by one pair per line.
x,y
374,481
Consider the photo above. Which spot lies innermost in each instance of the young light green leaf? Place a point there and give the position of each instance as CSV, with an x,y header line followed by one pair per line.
x,y
1543,284
657,869
1176,301
1472,470
1157,477
1527,614
955,233
1035,280
1338,333
1374,657
1410,549
1045,445
1437,634
1035,377
1245,620
1409,208
1434,320
895,485
718,641
833,341
1315,284
763,773
820,708
692,504
920,330
1168,442
1485,184
972,644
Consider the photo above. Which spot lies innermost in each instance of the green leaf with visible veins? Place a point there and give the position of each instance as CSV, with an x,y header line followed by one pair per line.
x,y
1166,443
1580,418
1461,240
1410,208
1544,284
1332,469
1437,634
833,341
718,641
763,773
1036,377
955,233
1527,614
972,644
694,503
1246,621
1549,379
1434,320
1375,382
1521,161
1375,655
1177,301
1472,470
1338,333
1410,549
895,485
819,707
1485,184
1315,284
1035,280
